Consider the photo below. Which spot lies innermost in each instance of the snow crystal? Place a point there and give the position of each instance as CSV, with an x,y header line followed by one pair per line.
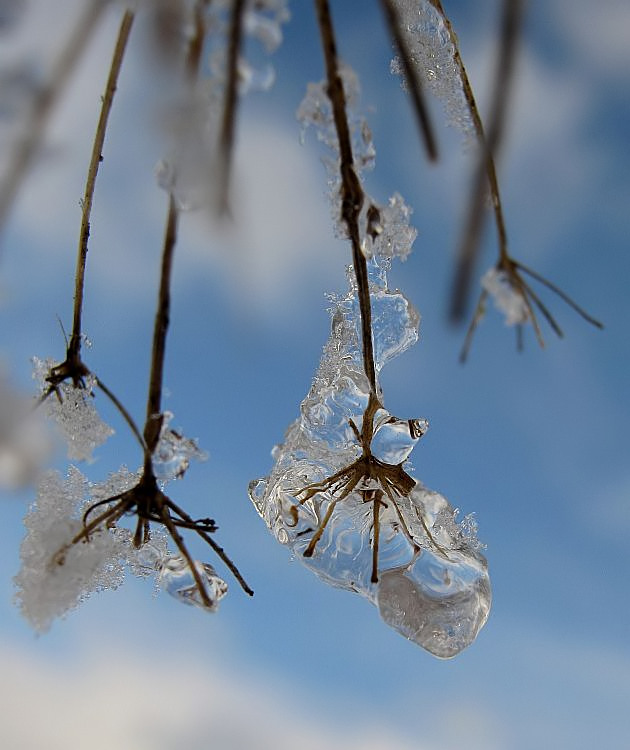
x,y
73,412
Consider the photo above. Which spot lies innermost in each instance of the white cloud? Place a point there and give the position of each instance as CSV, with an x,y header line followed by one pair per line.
x,y
130,701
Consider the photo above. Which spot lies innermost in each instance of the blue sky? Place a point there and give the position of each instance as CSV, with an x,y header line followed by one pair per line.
x,y
534,443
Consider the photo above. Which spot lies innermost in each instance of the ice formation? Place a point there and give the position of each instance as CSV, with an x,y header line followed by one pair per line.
x,y
361,522
73,411
177,579
173,452
434,56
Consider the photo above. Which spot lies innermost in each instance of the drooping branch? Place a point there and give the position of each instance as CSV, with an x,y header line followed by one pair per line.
x,y
412,78
23,152
352,195
228,124
489,144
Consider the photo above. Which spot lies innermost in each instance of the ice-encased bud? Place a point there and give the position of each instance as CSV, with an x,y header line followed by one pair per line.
x,y
177,579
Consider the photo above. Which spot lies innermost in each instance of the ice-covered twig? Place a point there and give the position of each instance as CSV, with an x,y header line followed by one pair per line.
x,y
392,16
352,195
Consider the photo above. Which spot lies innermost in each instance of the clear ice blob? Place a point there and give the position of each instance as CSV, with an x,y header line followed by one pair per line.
x,y
354,516
177,579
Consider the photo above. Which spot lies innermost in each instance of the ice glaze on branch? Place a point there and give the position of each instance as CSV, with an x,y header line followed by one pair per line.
x,y
352,195
392,16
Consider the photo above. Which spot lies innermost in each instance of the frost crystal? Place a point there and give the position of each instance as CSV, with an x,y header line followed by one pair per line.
x,y
364,524
56,575
434,55
507,299
74,413
173,452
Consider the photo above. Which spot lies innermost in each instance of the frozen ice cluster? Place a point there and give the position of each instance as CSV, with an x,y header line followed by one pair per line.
x,y
435,58
358,520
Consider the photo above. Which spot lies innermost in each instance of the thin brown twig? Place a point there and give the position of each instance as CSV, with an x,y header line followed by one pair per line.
x,y
489,145
44,102
153,421
95,160
411,77
563,295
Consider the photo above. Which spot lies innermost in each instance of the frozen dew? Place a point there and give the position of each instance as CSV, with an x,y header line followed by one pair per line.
x,y
174,452
507,299
394,542
177,579
434,56
73,411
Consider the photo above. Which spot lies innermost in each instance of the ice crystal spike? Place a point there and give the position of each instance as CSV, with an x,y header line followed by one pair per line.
x,y
178,580
354,516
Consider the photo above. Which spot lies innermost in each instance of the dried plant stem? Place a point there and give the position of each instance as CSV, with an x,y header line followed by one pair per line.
x,y
352,195
489,144
95,160
43,104
411,77
228,124
153,420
